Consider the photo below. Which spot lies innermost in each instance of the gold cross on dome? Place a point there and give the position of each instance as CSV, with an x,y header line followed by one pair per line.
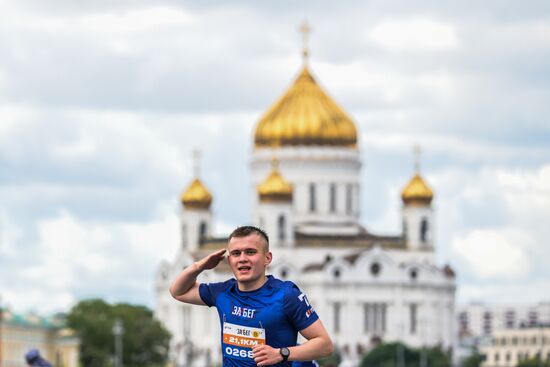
x,y
417,150
305,29
196,166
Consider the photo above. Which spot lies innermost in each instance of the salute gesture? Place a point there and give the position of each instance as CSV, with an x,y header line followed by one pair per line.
x,y
210,261
185,288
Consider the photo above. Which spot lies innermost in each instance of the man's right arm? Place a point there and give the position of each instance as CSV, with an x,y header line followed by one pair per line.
x,y
185,288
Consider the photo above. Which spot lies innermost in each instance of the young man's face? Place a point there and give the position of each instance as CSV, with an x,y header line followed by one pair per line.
x,y
248,257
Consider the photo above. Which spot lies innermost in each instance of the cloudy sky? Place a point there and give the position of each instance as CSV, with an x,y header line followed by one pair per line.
x,y
102,103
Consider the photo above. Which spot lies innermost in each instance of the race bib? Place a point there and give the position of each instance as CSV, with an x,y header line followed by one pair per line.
x,y
239,340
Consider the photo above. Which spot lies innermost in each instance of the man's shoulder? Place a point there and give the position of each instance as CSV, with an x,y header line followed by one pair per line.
x,y
220,285
229,281
283,285
209,292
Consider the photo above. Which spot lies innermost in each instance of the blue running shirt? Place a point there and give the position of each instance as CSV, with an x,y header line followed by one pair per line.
x,y
272,315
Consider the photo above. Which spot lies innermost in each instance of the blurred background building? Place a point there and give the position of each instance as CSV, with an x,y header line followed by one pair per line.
x,y
366,287
21,332
505,333
479,320
510,346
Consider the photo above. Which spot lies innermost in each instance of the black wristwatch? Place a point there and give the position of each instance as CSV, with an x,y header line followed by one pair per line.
x,y
285,353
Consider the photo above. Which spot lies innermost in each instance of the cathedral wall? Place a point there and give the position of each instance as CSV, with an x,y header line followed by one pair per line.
x,y
356,313
320,167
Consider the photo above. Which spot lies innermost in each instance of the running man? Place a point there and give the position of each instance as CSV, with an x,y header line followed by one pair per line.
x,y
260,315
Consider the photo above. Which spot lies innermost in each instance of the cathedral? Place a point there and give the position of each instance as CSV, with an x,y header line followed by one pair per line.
x,y
305,173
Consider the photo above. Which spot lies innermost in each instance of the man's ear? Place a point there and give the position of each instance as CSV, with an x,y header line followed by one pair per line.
x,y
268,258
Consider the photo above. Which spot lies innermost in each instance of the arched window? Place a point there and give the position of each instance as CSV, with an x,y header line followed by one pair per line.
x,y
375,269
337,308
281,224
413,318
312,198
424,230
332,197
202,230
183,235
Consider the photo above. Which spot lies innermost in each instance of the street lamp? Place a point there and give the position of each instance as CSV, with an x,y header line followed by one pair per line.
x,y
541,333
400,346
423,330
118,332
189,352
1,314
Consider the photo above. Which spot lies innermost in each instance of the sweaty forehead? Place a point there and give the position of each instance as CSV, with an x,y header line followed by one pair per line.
x,y
251,241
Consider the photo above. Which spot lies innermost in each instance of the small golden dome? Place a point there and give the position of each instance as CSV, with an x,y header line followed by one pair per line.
x,y
275,188
305,115
196,196
417,192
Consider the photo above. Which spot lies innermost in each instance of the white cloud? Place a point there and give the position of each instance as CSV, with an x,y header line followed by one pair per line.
x,y
83,143
136,20
415,34
84,147
525,34
490,253
74,256
495,221
450,145
395,85
508,291
69,247
526,191
10,235
123,21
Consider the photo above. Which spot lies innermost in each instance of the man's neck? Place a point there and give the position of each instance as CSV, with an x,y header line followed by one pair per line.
x,y
247,287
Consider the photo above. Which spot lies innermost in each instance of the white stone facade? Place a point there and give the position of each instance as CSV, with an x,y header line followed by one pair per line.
x,y
365,288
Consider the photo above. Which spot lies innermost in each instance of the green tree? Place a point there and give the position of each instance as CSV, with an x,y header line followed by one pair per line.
x,y
331,361
533,362
399,355
389,355
474,360
145,341
437,357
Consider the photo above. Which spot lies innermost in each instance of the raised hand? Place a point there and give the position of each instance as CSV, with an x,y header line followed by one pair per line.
x,y
211,261
185,288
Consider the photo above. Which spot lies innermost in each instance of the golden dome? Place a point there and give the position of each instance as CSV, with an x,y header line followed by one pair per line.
x,y
305,115
417,192
196,196
275,188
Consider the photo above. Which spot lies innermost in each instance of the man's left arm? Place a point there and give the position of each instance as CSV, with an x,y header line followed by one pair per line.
x,y
318,345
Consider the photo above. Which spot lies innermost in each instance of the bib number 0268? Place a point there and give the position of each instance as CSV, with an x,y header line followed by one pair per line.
x,y
238,352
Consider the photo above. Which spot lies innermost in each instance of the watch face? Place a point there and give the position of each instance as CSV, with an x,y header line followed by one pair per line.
x,y
285,353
